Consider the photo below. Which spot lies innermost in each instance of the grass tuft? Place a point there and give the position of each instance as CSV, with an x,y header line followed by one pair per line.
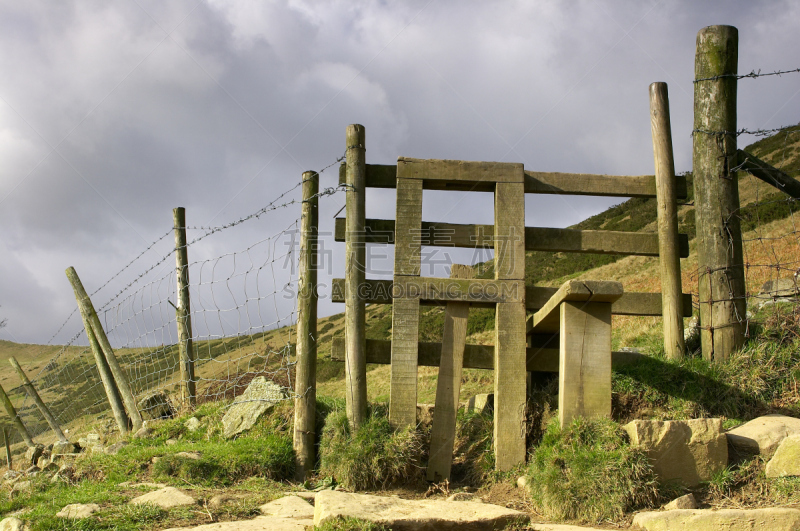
x,y
589,472
349,524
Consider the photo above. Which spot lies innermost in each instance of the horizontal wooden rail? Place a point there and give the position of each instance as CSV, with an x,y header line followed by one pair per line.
x,y
631,303
548,318
538,358
536,238
536,182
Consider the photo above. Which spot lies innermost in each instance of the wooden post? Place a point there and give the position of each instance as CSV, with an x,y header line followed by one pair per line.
x,y
31,390
666,198
510,329
15,418
355,275
9,463
306,379
448,383
183,309
87,308
716,194
112,393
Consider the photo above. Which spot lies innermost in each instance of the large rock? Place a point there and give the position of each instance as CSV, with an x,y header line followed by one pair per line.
x,y
761,436
783,287
156,405
33,453
688,451
262,523
786,461
75,511
400,515
165,498
687,501
64,448
289,507
482,403
772,519
12,524
259,397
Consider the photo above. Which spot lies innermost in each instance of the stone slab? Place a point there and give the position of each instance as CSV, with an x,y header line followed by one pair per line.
x,y
259,397
289,507
762,435
417,515
262,523
771,519
786,461
165,498
75,511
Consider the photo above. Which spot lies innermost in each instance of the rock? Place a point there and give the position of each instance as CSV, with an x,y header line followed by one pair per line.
x,y
32,470
425,414
12,524
155,459
50,467
772,519
192,424
43,462
289,507
11,474
686,501
482,403
522,482
65,473
689,451
64,447
171,442
463,496
400,515
156,405
189,455
78,510
143,433
784,287
165,498
761,436
786,461
259,396
307,496
33,454
262,523
117,446
691,334
21,487
218,500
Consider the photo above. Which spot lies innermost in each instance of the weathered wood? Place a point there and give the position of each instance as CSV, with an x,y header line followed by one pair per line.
x,y
407,238
9,461
536,182
305,416
120,378
536,238
548,319
403,376
355,268
541,357
719,237
459,170
183,313
34,395
448,383
631,303
769,174
16,419
458,290
667,205
584,375
110,386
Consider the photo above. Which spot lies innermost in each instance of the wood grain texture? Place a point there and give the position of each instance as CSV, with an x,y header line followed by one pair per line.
x,y
584,375
459,170
509,385
403,378
509,231
719,237
667,207
183,313
548,318
407,241
448,383
458,290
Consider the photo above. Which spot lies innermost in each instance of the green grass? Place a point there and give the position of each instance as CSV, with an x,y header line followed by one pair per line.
x,y
589,473
349,524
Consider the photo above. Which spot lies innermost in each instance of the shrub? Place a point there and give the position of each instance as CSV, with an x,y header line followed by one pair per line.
x,y
375,456
589,472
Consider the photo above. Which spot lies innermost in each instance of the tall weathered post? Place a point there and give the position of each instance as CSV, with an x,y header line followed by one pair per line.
x,y
15,418
305,415
9,462
31,390
716,193
110,386
666,198
355,276
121,379
183,310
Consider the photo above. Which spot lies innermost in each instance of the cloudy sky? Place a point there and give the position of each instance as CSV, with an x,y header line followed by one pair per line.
x,y
113,113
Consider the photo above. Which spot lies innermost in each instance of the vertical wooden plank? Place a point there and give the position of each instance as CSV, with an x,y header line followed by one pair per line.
x,y
716,189
31,390
9,462
405,309
15,418
306,380
666,199
448,384
183,311
510,376
355,271
584,373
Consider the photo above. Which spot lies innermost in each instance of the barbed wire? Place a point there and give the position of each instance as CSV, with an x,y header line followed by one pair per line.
x,y
754,132
752,75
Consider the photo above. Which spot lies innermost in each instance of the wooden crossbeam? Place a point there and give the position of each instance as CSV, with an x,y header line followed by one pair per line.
x,y
536,238
537,182
769,174
547,318
459,171
631,303
542,358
